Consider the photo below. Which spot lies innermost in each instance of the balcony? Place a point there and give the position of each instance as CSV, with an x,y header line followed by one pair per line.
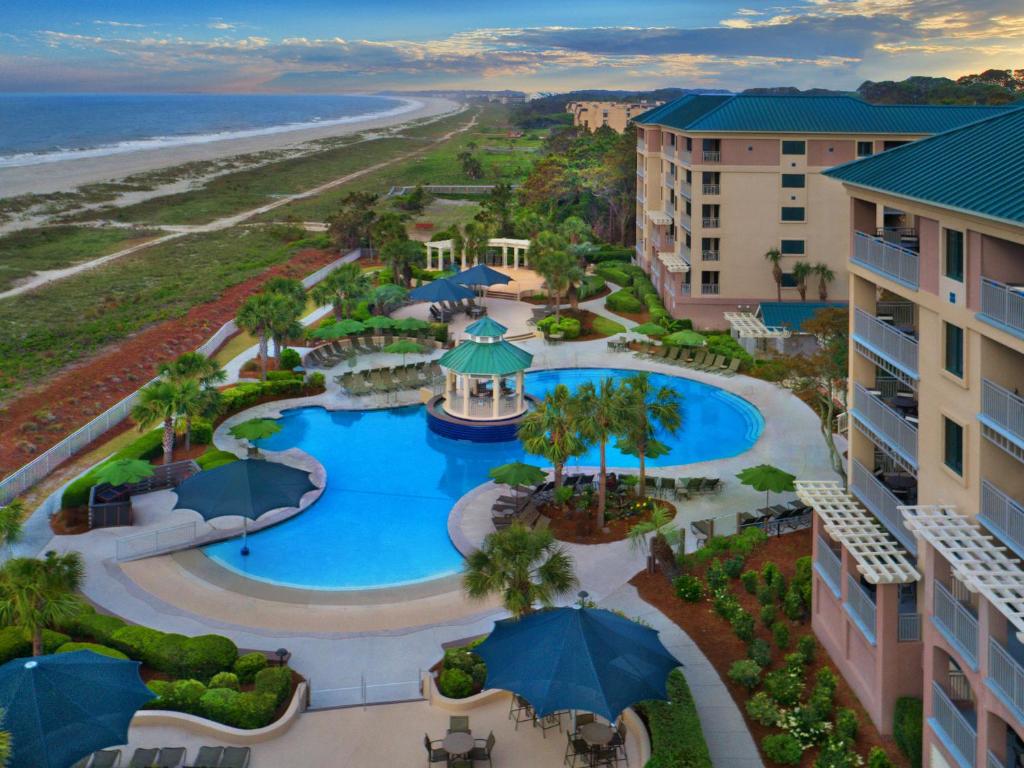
x,y
709,289
908,628
1006,676
685,221
956,623
882,503
712,189
1002,305
886,427
641,172
711,222
904,236
712,156
953,727
887,259
895,347
1003,516
861,606
684,289
641,145
829,567
640,195
686,190
710,255
685,157
1002,418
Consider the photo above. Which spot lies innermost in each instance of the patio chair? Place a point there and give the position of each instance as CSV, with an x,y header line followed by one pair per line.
x,y
619,739
604,756
208,757
435,754
733,368
673,355
651,485
546,722
698,360
576,748
143,758
236,757
171,757
519,710
458,724
482,751
667,486
106,758
716,363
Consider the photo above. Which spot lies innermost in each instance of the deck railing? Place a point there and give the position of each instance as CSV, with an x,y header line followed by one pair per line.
x,y
829,566
712,156
908,628
712,222
882,503
1006,675
898,348
861,607
1003,515
710,255
686,189
956,622
712,189
885,422
888,259
1002,304
954,725
152,542
1004,408
709,289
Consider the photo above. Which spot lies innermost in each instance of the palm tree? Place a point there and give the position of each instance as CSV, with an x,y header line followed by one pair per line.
x,y
801,271
561,271
10,524
774,255
206,373
255,317
665,536
35,593
598,413
284,323
343,289
401,256
474,241
524,567
549,431
825,276
287,286
647,409
574,229
159,402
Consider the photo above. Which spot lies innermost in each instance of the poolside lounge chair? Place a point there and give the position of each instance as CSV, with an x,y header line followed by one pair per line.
x,y
171,757
710,365
435,754
208,757
651,485
143,758
698,359
733,368
236,757
542,522
673,355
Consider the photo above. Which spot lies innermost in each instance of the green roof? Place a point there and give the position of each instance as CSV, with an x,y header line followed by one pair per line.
x,y
793,314
809,114
486,358
486,327
976,168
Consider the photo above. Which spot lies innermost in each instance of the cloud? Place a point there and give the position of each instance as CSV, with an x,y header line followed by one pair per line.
x,y
118,24
220,24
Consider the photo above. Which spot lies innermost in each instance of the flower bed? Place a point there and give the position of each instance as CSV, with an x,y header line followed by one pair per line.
x,y
574,522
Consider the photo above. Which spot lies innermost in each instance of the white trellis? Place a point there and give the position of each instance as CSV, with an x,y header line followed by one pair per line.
x,y
975,558
748,326
879,557
520,250
661,218
673,261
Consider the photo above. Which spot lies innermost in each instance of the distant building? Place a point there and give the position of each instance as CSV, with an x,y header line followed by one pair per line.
x,y
723,179
591,115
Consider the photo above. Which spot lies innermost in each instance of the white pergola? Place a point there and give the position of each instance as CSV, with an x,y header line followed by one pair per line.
x,y
975,558
441,247
661,218
748,326
673,261
879,557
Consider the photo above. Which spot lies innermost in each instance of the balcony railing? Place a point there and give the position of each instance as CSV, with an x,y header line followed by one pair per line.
x,y
686,190
956,623
829,567
710,255
1003,515
956,730
711,222
709,289
641,146
685,156
898,348
896,312
712,156
712,189
640,171
1003,410
684,221
908,628
1006,676
684,289
886,423
860,605
668,151
882,503
887,259
1002,305
640,195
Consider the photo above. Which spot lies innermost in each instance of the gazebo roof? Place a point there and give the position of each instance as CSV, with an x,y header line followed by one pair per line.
x,y
486,359
486,327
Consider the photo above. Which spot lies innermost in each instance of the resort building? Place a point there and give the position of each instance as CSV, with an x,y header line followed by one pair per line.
x,y
918,585
724,179
591,115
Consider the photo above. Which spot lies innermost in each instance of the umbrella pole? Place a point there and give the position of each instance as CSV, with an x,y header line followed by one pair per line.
x,y
245,536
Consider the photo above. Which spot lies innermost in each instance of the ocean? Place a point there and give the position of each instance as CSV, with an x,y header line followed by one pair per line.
x,y
45,128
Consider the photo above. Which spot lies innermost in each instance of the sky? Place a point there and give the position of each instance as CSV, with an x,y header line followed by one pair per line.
x,y
531,45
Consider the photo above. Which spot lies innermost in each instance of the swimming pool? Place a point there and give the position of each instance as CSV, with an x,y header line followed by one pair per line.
x,y
391,483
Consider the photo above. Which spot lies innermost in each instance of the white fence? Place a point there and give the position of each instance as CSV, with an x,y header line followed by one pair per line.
x,y
148,542
364,692
41,466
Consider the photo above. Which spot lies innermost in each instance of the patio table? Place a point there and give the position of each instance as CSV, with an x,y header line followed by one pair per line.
x,y
458,744
596,734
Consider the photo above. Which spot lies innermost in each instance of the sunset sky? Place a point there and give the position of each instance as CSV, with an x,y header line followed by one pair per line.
x,y
531,45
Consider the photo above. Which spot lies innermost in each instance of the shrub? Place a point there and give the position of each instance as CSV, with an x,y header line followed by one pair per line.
x,y
802,579
214,458
51,640
676,736
763,710
206,655
253,710
750,580
782,748
290,359
793,605
276,681
623,301
774,580
136,642
455,683
689,588
725,605
611,273
13,644
592,285
224,680
185,696
745,672
159,689
283,375
610,253
96,626
569,327
806,725
836,752
822,698
102,650
768,615
218,704
743,625
784,686
847,724
760,651
780,634
794,661
247,666
907,728
201,432
716,576
733,567
765,594
725,344
315,381
878,759
808,648
166,654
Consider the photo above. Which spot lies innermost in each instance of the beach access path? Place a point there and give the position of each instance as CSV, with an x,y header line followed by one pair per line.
x,y
176,231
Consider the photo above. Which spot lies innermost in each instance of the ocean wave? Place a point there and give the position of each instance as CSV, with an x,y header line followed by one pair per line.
x,y
165,142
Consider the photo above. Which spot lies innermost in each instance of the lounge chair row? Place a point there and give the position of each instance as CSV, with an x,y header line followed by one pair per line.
x,y
698,360
444,311
778,518
170,757
527,515
683,487
330,354
393,379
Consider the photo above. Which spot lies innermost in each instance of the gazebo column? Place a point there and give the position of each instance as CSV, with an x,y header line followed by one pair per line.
x,y
504,255
430,255
526,256
496,396
463,258
519,390
515,256
465,395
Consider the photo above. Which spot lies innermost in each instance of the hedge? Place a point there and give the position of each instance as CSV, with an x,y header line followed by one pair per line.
x,y
275,681
247,666
623,301
724,344
676,735
610,253
102,650
198,657
613,274
149,445
201,432
591,285
96,626
908,729
569,327
16,642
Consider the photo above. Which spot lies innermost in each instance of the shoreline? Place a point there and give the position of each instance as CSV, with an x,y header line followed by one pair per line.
x,y
68,174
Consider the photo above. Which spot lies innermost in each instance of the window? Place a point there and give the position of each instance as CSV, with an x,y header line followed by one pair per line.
x,y
689,143
792,213
793,148
954,445
955,255
955,350
672,139
793,181
788,281
792,247
865,148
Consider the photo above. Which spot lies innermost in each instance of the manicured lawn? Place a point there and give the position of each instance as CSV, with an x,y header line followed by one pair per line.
x,y
607,327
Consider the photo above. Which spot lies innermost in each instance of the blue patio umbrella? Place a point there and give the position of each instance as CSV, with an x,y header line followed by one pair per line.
x,y
577,658
442,289
245,489
481,274
61,708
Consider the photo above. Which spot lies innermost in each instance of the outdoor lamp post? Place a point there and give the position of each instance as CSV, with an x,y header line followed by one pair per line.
x,y
583,595
282,654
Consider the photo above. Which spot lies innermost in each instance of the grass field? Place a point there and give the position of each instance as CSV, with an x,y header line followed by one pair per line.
x,y
33,250
49,328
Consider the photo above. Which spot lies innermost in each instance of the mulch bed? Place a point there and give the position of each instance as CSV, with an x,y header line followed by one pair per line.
x,y
586,318
719,644
576,527
80,392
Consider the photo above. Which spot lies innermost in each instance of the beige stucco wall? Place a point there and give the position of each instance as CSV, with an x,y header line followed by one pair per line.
x,y
591,115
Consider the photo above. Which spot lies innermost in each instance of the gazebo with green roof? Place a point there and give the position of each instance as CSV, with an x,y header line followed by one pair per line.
x,y
476,373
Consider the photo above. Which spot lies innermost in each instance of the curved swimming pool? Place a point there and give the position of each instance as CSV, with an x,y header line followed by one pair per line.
x,y
391,484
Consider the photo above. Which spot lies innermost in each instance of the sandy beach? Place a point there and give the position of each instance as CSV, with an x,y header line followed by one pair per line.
x,y
66,175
